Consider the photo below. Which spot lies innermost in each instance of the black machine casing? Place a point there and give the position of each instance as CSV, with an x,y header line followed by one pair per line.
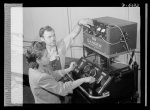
x,y
106,38
120,86
115,82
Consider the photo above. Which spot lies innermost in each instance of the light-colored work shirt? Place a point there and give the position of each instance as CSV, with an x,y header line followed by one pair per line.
x,y
46,87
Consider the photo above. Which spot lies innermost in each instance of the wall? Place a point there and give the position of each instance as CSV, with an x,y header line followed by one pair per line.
x,y
35,18
63,19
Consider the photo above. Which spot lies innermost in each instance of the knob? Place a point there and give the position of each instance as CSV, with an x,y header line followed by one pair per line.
x,y
103,30
98,29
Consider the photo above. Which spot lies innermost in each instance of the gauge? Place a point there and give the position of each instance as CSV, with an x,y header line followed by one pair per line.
x,y
86,68
98,29
93,72
103,30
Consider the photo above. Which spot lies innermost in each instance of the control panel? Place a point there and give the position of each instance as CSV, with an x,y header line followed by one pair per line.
x,y
98,30
110,37
86,68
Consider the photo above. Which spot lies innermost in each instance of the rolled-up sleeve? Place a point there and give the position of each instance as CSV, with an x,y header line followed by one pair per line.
x,y
68,41
65,43
49,83
58,74
62,50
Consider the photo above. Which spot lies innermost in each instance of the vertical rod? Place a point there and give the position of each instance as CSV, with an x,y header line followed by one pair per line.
x,y
69,24
146,22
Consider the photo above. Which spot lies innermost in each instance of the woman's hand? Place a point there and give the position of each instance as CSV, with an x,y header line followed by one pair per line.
x,y
89,79
86,22
72,66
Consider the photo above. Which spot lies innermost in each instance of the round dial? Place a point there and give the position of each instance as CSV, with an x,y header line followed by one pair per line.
x,y
93,72
86,68
98,29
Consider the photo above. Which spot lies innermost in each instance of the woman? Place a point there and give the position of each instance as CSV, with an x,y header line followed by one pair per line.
x,y
44,82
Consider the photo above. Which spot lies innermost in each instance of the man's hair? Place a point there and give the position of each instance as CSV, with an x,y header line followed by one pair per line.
x,y
43,29
34,52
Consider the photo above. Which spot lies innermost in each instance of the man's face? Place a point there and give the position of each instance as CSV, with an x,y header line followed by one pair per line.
x,y
49,38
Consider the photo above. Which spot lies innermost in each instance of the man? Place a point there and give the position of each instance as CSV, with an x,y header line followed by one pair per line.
x,y
57,50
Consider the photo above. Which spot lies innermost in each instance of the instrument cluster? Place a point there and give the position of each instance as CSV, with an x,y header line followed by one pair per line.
x,y
98,30
85,69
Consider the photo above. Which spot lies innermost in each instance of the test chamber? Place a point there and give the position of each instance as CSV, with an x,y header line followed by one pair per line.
x,y
102,43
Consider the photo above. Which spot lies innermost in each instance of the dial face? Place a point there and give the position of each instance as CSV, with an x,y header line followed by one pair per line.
x,y
103,30
99,28
87,68
93,72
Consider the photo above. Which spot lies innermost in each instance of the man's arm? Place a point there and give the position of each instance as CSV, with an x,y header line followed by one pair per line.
x,y
65,43
79,25
76,30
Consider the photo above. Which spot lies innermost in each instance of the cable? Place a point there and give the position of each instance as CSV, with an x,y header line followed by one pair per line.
x,y
123,37
109,42
119,41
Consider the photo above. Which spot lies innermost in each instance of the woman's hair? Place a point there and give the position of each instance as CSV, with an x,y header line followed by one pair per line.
x,y
35,52
43,29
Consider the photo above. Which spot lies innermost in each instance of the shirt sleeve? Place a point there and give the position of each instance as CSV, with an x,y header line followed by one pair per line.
x,y
58,74
49,83
68,41
64,44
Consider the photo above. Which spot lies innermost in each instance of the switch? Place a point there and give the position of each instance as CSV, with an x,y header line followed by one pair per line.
x,y
100,78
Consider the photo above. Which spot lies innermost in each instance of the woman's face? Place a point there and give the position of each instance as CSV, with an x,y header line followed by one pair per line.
x,y
45,58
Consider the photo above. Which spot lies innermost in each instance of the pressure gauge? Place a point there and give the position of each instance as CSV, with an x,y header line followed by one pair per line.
x,y
103,30
99,28
87,68
93,72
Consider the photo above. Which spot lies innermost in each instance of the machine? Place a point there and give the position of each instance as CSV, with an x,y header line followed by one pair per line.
x,y
115,82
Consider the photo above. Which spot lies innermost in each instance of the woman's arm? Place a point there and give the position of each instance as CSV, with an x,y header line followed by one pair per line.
x,y
60,88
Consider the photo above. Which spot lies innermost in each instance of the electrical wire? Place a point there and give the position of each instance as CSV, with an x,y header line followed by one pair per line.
x,y
109,42
123,37
118,41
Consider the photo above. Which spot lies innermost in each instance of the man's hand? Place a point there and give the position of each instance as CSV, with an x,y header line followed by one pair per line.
x,y
77,29
86,22
72,66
